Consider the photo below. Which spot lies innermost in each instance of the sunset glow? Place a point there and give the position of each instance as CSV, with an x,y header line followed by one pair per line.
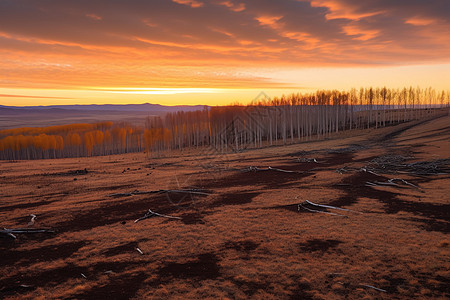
x,y
215,52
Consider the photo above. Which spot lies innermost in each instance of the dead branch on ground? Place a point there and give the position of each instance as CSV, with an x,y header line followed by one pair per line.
x,y
342,170
12,232
319,208
391,182
331,207
435,167
346,169
391,164
301,205
372,287
33,217
369,171
307,160
136,192
403,181
151,213
256,169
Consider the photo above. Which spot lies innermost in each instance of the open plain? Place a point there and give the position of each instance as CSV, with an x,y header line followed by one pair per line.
x,y
240,229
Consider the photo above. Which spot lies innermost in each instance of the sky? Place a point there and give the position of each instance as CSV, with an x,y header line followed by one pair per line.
x,y
215,52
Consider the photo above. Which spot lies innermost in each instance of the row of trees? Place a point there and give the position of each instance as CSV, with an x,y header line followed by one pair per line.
x,y
283,120
73,140
293,118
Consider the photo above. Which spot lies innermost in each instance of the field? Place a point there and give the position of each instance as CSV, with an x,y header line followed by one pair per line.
x,y
35,118
239,230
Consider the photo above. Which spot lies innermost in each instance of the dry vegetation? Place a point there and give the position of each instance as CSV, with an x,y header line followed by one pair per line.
x,y
241,232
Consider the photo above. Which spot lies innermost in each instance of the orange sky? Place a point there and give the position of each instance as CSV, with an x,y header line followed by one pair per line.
x,y
217,51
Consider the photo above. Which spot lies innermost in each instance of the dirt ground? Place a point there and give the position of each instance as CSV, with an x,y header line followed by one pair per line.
x,y
242,233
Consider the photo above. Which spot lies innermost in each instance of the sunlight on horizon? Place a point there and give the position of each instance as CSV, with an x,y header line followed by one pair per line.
x,y
161,91
281,81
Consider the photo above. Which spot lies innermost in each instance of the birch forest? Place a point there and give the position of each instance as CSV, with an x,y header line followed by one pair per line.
x,y
278,121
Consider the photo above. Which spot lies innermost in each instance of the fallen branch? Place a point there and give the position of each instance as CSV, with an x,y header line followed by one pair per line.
x,y
342,170
391,182
280,170
319,211
308,160
151,213
404,181
136,192
194,191
320,206
347,169
375,288
331,207
12,232
369,171
256,169
33,217
395,164
380,183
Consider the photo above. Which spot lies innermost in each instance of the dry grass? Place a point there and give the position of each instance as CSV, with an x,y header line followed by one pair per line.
x,y
245,240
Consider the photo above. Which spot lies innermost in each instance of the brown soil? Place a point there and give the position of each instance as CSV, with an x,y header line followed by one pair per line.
x,y
247,238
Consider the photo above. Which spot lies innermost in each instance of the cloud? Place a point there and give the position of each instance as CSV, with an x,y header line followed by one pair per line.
x,y
358,33
234,6
94,17
343,10
271,21
137,37
420,21
191,3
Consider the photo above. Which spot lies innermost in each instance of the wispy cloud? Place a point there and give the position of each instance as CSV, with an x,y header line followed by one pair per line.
x,y
359,33
161,91
191,3
234,6
420,21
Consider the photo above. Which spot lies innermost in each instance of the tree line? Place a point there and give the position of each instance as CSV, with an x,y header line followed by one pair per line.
x,y
74,140
280,120
293,118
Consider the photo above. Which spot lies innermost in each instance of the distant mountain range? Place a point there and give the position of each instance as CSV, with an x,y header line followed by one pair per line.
x,y
146,107
39,116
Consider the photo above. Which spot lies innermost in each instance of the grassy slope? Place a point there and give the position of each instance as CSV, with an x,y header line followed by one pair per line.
x,y
247,238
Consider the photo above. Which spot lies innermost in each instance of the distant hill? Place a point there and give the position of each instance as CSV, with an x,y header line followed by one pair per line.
x,y
147,107
38,116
